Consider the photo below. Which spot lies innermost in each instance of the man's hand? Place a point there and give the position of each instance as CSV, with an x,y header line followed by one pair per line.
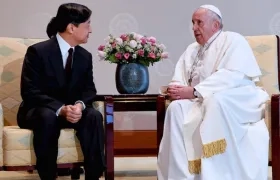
x,y
77,108
180,92
72,113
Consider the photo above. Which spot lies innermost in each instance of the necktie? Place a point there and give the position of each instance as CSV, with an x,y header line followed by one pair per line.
x,y
68,65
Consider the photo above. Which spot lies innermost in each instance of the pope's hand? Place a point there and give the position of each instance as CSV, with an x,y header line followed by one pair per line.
x,y
180,92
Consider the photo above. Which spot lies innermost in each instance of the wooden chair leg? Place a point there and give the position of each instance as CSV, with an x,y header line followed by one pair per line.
x,y
75,173
30,171
63,172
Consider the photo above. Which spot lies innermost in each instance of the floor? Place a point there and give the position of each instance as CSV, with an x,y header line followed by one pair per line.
x,y
126,169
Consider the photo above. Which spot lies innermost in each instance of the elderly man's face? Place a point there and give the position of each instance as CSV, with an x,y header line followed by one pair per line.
x,y
203,26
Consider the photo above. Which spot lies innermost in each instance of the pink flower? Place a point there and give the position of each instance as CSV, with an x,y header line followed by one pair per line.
x,y
141,52
126,55
152,55
164,55
118,55
143,41
124,37
114,45
101,47
152,40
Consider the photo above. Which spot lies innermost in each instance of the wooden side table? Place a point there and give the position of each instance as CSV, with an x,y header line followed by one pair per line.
x,y
124,103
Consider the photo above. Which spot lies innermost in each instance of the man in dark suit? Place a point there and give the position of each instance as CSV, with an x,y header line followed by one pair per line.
x,y
57,89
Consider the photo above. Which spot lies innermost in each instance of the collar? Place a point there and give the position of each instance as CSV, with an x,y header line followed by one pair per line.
x,y
212,38
64,46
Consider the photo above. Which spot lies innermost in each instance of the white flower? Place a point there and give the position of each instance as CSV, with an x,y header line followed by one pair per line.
x,y
107,39
164,55
101,54
108,45
127,48
136,36
134,56
162,46
132,43
124,43
139,46
119,41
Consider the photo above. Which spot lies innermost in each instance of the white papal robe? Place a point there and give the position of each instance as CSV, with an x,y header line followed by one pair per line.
x,y
221,135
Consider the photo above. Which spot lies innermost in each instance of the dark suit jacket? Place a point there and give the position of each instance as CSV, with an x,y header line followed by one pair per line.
x,y
43,82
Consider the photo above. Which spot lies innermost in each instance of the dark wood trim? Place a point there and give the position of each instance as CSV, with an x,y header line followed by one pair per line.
x,y
275,140
18,168
29,168
117,97
109,137
144,152
278,60
160,118
275,131
143,105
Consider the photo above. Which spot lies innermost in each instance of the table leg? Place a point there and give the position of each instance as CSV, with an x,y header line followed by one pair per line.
x,y
160,118
109,134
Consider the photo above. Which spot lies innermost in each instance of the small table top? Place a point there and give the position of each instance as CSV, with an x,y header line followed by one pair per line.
x,y
129,95
131,102
117,97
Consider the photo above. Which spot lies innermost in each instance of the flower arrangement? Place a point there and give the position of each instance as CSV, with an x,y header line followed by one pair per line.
x,y
132,48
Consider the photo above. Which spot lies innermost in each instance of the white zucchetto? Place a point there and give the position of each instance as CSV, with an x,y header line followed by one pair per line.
x,y
212,8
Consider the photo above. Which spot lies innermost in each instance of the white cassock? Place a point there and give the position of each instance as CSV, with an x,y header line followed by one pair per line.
x,y
222,134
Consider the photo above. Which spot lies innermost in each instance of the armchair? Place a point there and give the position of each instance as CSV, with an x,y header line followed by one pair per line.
x,y
16,147
267,52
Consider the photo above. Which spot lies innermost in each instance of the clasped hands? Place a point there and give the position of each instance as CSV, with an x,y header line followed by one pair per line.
x,y
72,113
176,92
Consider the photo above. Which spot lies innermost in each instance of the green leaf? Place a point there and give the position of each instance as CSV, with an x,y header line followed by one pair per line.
x,y
144,62
113,58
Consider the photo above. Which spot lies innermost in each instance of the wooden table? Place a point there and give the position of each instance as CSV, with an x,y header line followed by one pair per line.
x,y
124,103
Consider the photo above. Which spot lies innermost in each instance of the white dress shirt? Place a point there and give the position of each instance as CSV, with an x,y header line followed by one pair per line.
x,y
64,48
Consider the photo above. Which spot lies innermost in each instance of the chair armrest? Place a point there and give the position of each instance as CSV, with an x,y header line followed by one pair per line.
x,y
275,132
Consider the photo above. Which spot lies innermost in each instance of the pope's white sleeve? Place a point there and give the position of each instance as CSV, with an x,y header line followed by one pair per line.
x,y
178,77
221,80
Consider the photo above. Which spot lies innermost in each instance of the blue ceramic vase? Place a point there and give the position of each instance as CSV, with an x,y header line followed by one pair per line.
x,y
132,78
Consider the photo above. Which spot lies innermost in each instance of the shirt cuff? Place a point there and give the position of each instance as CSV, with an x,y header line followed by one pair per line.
x,y
197,94
58,111
84,107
